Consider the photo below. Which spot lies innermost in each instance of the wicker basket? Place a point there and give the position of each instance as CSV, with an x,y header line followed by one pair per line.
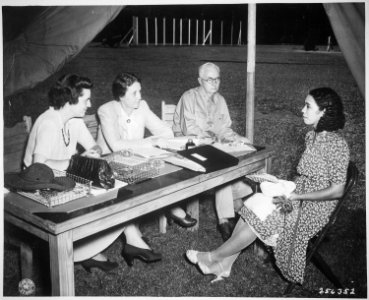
x,y
51,198
132,169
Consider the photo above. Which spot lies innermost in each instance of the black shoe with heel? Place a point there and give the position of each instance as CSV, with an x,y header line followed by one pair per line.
x,y
226,229
105,266
187,221
129,253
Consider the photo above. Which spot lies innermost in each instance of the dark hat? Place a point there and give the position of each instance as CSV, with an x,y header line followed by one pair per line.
x,y
37,177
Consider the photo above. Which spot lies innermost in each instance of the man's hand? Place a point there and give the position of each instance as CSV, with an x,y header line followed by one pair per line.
x,y
94,152
242,139
234,138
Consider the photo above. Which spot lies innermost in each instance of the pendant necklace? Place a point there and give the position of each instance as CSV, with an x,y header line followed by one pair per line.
x,y
66,137
128,120
65,133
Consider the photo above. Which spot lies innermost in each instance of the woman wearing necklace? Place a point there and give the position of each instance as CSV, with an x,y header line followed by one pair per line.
x,y
321,176
122,126
53,141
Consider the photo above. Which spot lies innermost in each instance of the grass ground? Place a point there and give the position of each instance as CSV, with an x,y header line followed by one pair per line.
x,y
283,78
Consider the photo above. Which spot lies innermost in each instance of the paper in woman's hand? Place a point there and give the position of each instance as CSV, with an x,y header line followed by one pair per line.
x,y
274,196
280,188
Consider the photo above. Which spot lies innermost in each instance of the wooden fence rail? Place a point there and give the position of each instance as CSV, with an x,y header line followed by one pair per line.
x,y
181,32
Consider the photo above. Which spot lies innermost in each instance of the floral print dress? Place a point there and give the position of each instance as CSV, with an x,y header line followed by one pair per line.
x,y
324,162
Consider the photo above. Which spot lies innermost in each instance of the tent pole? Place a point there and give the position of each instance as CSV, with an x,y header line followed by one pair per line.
x,y
250,84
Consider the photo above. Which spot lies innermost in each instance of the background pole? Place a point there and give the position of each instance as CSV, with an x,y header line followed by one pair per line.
x,y
250,84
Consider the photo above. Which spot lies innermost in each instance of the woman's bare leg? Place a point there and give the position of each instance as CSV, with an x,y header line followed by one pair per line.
x,y
242,237
134,236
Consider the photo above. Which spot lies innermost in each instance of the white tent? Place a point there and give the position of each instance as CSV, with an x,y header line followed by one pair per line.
x,y
55,36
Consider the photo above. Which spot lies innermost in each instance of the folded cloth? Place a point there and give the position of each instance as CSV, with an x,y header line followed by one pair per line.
x,y
261,204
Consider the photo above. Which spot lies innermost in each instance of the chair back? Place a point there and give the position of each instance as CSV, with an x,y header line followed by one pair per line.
x,y
167,113
314,243
352,177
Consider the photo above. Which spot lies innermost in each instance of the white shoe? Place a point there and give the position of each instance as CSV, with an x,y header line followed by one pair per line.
x,y
192,256
216,268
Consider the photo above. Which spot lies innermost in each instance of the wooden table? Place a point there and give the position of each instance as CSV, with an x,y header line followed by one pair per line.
x,y
62,225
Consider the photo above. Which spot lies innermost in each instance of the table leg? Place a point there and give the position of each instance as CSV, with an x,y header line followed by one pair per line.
x,y
193,210
26,260
162,223
61,264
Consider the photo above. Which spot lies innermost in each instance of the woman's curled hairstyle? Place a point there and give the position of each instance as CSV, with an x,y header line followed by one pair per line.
x,y
68,89
334,117
121,83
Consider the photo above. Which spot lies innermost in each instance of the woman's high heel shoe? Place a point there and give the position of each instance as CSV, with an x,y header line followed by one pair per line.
x,y
105,266
187,221
130,252
215,268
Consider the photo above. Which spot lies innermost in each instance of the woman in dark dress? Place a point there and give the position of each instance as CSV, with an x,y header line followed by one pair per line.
x,y
321,176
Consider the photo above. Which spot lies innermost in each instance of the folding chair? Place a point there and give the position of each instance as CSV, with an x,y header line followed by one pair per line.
x,y
167,114
314,243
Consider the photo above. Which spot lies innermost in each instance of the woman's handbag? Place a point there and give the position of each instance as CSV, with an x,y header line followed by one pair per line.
x,y
94,169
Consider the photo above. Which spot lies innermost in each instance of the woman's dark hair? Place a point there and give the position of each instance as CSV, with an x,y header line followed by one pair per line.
x,y
121,83
334,117
68,89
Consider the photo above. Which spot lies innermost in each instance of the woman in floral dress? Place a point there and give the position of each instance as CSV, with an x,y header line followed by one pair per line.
x,y
321,176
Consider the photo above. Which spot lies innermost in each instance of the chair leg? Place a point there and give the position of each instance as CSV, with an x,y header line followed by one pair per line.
x,y
325,269
289,288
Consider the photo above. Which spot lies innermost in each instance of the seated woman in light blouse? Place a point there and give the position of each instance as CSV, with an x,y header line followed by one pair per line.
x,y
122,126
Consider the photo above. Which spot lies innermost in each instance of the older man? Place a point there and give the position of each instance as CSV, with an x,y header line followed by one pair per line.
x,y
203,112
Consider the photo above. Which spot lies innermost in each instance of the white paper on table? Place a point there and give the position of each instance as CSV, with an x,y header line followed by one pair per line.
x,y
185,163
230,147
152,152
98,191
177,143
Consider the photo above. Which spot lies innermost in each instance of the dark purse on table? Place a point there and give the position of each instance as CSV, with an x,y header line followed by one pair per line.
x,y
94,169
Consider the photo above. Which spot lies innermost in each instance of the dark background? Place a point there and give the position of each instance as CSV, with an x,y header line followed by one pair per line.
x,y
276,23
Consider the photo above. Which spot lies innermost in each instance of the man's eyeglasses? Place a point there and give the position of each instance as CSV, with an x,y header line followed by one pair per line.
x,y
212,80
